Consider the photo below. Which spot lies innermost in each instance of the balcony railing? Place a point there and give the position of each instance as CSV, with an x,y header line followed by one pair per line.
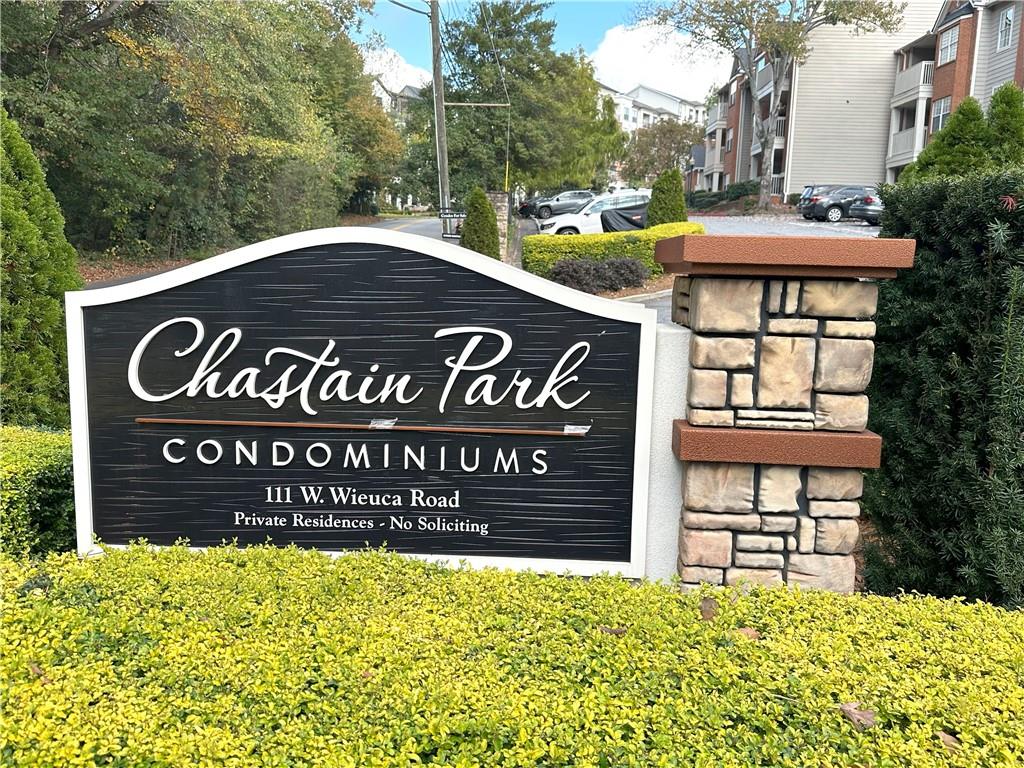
x,y
902,142
913,83
778,183
780,136
716,115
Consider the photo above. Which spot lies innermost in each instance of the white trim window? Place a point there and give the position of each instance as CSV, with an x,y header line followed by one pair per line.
x,y
947,45
1005,28
728,140
940,113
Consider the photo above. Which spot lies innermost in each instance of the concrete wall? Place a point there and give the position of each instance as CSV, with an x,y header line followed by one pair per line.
x,y
839,106
671,368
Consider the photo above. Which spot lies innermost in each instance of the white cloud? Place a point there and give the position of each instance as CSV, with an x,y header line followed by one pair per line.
x,y
658,57
393,70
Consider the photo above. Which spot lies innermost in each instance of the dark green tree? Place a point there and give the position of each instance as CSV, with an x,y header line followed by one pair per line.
x,y
947,393
1006,125
480,228
668,203
961,147
558,132
38,266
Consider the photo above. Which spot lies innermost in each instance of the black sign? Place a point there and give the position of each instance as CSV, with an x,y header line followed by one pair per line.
x,y
348,388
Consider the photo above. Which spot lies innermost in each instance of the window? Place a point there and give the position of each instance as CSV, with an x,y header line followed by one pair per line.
x,y
947,45
940,113
1005,27
732,92
728,140
761,63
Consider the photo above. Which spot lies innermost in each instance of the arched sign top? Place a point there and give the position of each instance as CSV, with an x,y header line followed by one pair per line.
x,y
313,238
353,387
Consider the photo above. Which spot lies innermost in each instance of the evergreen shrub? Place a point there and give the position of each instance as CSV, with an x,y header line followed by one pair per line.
x,y
739,189
280,657
37,506
542,252
480,228
668,204
37,265
947,393
592,276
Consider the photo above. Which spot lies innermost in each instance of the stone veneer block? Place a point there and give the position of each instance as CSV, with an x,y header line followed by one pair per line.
x,y
756,543
778,489
851,329
759,560
694,574
835,537
775,296
769,414
704,418
707,388
832,572
785,372
715,521
792,296
816,508
708,548
725,306
805,536
762,576
841,413
834,484
791,543
805,426
742,394
714,487
839,298
793,325
778,523
721,352
844,365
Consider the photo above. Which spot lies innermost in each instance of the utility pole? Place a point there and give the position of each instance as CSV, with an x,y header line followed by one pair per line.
x,y
440,131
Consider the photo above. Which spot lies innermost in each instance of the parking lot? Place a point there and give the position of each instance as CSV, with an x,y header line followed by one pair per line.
x,y
783,225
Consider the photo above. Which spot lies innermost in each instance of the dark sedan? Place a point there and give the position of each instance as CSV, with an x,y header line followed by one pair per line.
x,y
811,195
834,206
868,208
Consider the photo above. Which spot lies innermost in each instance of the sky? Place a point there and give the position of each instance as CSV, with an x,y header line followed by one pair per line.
x,y
623,54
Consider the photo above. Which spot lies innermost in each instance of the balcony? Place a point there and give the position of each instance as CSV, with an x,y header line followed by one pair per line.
x,y
714,160
780,136
901,148
913,83
763,82
716,118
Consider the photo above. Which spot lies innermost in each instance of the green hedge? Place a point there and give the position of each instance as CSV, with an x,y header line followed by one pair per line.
x,y
542,252
37,510
947,393
288,658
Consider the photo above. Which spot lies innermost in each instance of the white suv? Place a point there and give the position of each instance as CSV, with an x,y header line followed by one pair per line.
x,y
586,220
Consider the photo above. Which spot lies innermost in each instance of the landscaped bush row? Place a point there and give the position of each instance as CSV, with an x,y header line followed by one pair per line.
x,y
542,252
947,394
37,510
282,657
593,276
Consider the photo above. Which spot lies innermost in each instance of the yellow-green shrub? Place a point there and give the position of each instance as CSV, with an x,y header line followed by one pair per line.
x,y
37,511
541,252
265,657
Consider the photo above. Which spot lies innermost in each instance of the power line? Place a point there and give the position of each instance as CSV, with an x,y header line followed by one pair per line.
x,y
408,7
501,74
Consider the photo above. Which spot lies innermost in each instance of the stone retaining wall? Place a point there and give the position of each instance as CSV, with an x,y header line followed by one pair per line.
x,y
781,343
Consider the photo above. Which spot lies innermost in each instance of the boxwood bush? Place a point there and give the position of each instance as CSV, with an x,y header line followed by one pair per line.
x,y
542,252
37,510
288,658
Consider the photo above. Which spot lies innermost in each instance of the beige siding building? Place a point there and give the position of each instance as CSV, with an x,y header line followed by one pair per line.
x,y
839,117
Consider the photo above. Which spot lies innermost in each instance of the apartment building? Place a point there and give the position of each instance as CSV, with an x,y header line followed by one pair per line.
x,y
971,49
643,106
835,122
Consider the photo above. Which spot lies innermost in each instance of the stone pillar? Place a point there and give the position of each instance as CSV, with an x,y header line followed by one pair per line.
x,y
775,438
500,202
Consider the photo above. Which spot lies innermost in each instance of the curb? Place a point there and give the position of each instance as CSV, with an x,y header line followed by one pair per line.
x,y
645,296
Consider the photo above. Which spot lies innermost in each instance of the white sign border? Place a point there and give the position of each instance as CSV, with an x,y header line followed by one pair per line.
x,y
646,318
